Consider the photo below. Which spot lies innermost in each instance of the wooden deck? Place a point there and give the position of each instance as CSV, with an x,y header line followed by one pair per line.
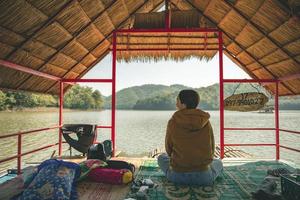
x,y
92,190
229,152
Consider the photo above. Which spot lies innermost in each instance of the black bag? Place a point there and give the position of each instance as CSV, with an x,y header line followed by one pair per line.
x,y
101,151
119,164
96,151
107,145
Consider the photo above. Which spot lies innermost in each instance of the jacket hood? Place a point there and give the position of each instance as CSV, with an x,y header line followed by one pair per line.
x,y
191,119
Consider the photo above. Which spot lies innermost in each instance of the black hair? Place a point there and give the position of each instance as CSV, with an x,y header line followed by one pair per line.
x,y
189,97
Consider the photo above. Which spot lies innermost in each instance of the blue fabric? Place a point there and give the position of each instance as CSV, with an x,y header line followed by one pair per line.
x,y
203,178
55,179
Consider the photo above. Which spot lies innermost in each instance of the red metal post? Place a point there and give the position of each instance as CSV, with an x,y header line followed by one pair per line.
x,y
277,123
113,95
221,95
19,153
61,96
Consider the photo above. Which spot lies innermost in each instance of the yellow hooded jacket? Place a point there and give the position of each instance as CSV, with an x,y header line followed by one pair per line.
x,y
190,141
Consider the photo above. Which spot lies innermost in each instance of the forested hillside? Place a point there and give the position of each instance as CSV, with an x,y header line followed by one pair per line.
x,y
161,97
77,97
145,97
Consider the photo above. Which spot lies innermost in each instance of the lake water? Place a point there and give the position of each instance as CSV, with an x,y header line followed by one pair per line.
x,y
139,132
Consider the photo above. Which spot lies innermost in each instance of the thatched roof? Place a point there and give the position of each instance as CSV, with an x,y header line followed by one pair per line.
x,y
66,38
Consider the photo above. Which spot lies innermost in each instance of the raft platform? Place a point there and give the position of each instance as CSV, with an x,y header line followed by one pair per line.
x,y
242,175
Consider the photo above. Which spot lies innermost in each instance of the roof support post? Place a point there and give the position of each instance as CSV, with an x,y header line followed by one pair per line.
x,y
113,92
277,122
61,101
221,94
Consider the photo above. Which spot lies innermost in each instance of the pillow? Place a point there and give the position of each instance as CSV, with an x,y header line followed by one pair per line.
x,y
111,176
54,180
87,165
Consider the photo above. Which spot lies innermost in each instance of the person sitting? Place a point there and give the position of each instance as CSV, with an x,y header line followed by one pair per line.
x,y
190,145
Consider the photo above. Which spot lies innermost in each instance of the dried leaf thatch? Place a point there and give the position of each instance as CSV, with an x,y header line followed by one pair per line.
x,y
67,38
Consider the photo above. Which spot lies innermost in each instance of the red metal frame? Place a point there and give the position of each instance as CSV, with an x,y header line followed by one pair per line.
x,y
289,148
61,105
19,162
249,81
167,29
221,95
113,96
277,129
167,49
104,126
28,70
257,144
222,128
249,129
19,146
173,30
87,80
289,131
277,122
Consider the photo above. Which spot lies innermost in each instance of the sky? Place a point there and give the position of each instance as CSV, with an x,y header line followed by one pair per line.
x,y
193,73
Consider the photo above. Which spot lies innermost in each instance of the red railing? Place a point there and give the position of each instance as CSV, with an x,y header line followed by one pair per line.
x,y
276,129
264,144
289,148
114,49
19,145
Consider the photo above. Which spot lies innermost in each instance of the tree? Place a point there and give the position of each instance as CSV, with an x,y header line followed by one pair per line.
x,y
24,99
2,101
82,98
98,101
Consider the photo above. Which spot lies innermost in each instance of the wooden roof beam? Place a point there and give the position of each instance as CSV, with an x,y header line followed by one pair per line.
x,y
264,34
106,38
240,46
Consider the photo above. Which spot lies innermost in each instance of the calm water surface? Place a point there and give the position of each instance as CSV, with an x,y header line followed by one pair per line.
x,y
139,132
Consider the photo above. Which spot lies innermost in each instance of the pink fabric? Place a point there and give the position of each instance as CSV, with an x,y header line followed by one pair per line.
x,y
105,175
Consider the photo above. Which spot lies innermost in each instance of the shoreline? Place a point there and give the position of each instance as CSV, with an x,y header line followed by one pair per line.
x,y
56,109
45,109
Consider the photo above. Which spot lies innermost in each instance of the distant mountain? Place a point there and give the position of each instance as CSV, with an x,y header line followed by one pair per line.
x,y
127,98
161,97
